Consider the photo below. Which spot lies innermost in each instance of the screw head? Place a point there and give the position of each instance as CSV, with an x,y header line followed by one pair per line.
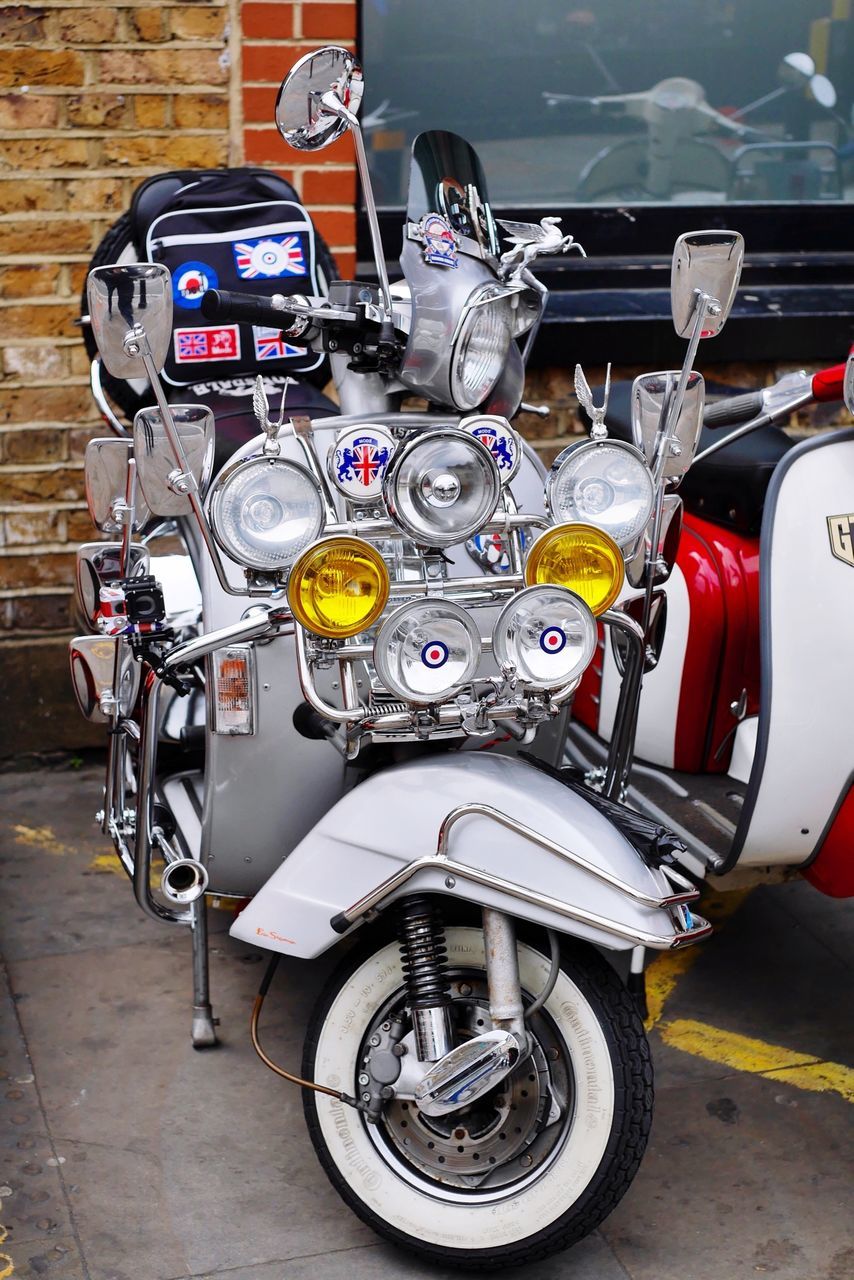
x,y
450,882
465,989
526,1161
364,1078
375,1040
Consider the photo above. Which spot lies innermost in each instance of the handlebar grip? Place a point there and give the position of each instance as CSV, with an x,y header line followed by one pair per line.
x,y
734,409
219,304
827,383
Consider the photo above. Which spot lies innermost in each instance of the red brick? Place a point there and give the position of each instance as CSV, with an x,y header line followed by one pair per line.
x,y
259,104
201,111
329,21
25,528
28,281
86,26
161,66
198,23
97,110
61,485
336,228
79,527
346,263
268,21
43,570
264,144
28,111
207,151
329,186
272,62
29,445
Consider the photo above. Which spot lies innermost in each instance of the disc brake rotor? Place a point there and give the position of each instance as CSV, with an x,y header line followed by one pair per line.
x,y
494,1136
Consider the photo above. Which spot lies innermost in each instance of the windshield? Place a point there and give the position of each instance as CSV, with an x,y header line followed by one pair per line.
x,y
446,177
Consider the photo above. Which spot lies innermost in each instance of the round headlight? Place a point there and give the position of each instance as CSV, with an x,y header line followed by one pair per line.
x,y
581,558
426,650
442,487
265,511
602,482
548,634
481,346
338,587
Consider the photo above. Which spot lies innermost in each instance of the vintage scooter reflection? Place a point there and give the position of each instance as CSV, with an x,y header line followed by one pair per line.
x,y
476,1078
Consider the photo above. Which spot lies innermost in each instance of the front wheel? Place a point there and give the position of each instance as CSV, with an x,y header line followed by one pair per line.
x,y
526,1170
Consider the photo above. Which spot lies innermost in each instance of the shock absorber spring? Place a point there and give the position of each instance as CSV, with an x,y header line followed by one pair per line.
x,y
424,957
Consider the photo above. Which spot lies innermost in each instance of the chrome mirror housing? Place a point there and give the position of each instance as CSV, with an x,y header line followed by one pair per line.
x,y
98,565
705,263
105,472
93,660
306,114
163,483
122,298
848,384
668,545
652,396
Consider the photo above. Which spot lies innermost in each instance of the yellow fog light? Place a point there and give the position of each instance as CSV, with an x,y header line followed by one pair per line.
x,y
582,559
338,587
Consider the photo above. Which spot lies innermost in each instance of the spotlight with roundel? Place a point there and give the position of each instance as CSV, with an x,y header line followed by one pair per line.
x,y
548,634
426,650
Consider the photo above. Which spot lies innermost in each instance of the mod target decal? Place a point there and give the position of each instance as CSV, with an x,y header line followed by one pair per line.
x,y
434,654
191,282
270,256
553,640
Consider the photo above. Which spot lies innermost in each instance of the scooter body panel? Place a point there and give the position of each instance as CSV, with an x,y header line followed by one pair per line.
x,y
802,768
395,816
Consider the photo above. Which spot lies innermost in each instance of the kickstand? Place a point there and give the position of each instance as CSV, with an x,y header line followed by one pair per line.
x,y
204,1023
636,981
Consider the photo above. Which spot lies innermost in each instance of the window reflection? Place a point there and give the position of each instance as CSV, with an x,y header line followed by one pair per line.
x,y
621,101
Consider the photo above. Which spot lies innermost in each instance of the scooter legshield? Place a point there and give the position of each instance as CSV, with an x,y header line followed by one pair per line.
x,y
395,817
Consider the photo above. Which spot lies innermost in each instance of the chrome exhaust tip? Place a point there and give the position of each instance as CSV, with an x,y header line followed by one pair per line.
x,y
184,881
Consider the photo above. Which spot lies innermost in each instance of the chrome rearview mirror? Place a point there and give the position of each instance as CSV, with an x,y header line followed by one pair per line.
x,y
105,473
706,265
163,483
98,565
848,384
306,114
93,660
653,394
121,298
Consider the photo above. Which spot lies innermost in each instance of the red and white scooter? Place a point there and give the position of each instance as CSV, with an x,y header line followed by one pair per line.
x,y
741,739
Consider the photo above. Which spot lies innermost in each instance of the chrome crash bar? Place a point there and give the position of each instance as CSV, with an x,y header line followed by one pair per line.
x,y
440,861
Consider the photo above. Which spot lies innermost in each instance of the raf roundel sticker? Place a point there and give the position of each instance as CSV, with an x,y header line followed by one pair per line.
x,y
434,654
359,461
553,640
191,282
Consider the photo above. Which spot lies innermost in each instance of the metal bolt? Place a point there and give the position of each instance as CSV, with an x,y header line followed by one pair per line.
x,y
386,1092
364,1078
465,989
553,1055
386,1026
375,1041
332,344
357,347
366,1097
398,1050
526,1161
450,882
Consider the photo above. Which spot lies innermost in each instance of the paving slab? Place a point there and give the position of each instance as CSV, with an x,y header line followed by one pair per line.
x,y
151,1161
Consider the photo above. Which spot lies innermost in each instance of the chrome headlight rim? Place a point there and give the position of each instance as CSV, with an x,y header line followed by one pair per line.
x,y
486,295
551,593
626,543
448,609
216,496
400,459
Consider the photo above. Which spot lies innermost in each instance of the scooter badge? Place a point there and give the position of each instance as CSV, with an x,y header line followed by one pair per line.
x,y
438,240
358,463
841,532
499,438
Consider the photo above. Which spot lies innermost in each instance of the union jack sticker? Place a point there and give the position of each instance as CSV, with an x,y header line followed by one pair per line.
x,y
270,256
270,345
199,345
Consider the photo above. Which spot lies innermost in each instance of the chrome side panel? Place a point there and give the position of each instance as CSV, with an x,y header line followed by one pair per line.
x,y
395,817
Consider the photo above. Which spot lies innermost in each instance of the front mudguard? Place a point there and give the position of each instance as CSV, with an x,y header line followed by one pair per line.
x,y
489,829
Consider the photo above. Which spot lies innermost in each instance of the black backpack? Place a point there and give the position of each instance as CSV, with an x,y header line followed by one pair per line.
x,y
235,229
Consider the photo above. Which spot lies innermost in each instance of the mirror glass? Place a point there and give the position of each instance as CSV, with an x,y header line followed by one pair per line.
x,y
654,392
105,473
155,461
668,543
302,120
708,261
122,296
100,563
92,660
823,92
796,69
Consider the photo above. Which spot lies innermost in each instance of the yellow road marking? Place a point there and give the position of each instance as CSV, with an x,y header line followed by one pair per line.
x,y
743,1053
39,838
665,971
107,862
5,1261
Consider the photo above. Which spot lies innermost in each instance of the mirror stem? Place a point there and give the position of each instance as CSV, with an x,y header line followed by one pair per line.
x,y
336,107
128,516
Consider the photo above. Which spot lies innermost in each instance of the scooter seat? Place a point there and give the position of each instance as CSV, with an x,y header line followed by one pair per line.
x,y
729,487
232,409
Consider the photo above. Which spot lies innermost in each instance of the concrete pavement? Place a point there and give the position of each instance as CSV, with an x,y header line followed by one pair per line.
x,y
128,1156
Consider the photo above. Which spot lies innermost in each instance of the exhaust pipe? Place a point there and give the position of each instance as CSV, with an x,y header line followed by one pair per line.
x,y
183,881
